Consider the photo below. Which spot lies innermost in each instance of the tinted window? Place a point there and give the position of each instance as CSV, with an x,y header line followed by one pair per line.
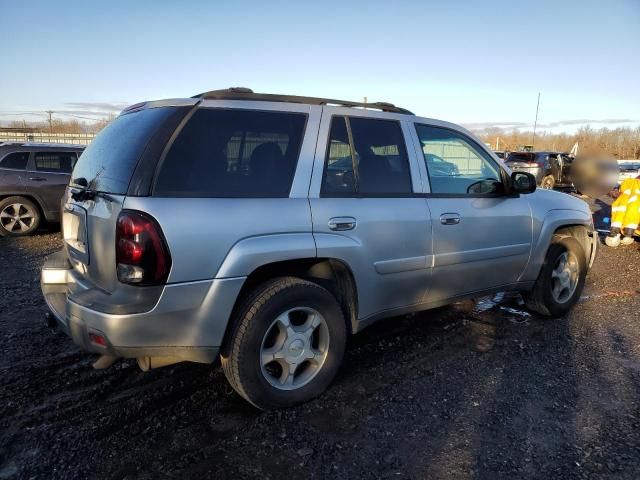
x,y
56,162
16,160
454,163
338,173
379,154
233,153
110,159
521,157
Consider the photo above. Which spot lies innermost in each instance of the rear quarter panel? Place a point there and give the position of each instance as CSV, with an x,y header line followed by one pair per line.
x,y
202,232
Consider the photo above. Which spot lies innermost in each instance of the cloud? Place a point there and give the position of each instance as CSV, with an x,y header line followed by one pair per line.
x,y
559,123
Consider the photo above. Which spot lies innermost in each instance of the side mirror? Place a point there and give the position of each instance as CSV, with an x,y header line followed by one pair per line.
x,y
523,182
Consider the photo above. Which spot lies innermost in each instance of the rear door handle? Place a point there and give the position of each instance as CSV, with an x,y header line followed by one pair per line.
x,y
450,219
38,179
342,223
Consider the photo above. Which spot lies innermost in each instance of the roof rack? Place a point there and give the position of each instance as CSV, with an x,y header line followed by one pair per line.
x,y
241,93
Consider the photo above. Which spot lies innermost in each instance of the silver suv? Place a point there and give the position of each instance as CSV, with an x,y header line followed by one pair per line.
x,y
267,229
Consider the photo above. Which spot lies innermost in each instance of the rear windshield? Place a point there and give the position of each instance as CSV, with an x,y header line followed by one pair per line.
x,y
521,157
108,162
233,153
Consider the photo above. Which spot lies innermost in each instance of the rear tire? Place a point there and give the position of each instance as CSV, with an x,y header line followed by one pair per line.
x,y
19,216
273,356
558,289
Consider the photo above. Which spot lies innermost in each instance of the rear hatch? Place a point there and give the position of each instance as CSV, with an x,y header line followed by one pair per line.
x,y
120,161
522,161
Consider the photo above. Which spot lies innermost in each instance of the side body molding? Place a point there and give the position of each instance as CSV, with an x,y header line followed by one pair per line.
x,y
250,253
543,233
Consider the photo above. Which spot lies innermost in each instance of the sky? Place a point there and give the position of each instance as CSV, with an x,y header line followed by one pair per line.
x,y
478,63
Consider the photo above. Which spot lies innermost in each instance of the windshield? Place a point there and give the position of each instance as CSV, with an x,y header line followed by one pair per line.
x,y
109,161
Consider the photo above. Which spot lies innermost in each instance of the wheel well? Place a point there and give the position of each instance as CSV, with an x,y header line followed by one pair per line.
x,y
580,233
332,274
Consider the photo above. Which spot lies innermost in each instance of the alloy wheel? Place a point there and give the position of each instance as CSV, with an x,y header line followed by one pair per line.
x,y
294,348
564,277
17,218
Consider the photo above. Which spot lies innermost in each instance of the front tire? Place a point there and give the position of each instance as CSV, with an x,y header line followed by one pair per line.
x,y
561,278
286,343
19,216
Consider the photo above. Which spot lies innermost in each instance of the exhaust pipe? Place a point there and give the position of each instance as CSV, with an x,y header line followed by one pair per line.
x,y
148,363
105,361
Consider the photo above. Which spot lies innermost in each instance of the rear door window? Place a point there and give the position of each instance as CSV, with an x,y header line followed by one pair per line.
x,y
233,153
366,157
55,162
339,176
15,161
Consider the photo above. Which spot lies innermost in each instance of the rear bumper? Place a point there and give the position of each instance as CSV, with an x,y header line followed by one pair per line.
x,y
187,321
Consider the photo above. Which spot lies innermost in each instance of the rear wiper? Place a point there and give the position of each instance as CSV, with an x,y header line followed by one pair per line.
x,y
80,191
81,195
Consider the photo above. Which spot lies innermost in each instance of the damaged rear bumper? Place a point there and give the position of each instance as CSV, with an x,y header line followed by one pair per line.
x,y
186,320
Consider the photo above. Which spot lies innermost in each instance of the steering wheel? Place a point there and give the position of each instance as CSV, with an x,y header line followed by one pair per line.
x,y
480,182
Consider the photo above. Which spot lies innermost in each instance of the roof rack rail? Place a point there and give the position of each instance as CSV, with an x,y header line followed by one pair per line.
x,y
242,93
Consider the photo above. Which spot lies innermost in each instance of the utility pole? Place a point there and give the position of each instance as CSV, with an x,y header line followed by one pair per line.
x,y
50,112
365,103
535,124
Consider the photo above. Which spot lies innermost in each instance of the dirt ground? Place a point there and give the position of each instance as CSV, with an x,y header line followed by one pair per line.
x,y
481,389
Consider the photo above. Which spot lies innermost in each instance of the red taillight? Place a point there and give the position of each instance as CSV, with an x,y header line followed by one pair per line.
x,y
97,339
142,256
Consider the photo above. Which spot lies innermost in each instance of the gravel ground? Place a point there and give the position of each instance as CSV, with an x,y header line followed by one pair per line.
x,y
481,389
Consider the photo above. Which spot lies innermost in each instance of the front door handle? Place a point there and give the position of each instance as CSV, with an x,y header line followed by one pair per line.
x,y
450,219
342,223
38,179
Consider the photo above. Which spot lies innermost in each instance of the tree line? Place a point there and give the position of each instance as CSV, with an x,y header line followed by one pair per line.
x,y
621,143
59,125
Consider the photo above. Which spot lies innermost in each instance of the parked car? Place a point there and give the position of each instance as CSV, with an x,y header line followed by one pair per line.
x,y
501,154
551,169
214,226
628,170
33,178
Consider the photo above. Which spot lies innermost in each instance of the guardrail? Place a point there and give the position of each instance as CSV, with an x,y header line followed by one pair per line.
x,y
40,137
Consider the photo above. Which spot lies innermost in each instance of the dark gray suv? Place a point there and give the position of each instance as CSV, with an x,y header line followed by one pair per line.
x,y
33,177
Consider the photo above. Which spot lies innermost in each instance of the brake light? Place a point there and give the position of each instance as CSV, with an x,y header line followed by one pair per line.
x,y
142,256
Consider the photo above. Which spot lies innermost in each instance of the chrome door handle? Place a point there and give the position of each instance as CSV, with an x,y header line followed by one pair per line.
x,y
342,223
450,219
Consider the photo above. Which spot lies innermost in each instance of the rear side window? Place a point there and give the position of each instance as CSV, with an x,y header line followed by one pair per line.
x,y
233,153
109,161
372,160
16,161
55,162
